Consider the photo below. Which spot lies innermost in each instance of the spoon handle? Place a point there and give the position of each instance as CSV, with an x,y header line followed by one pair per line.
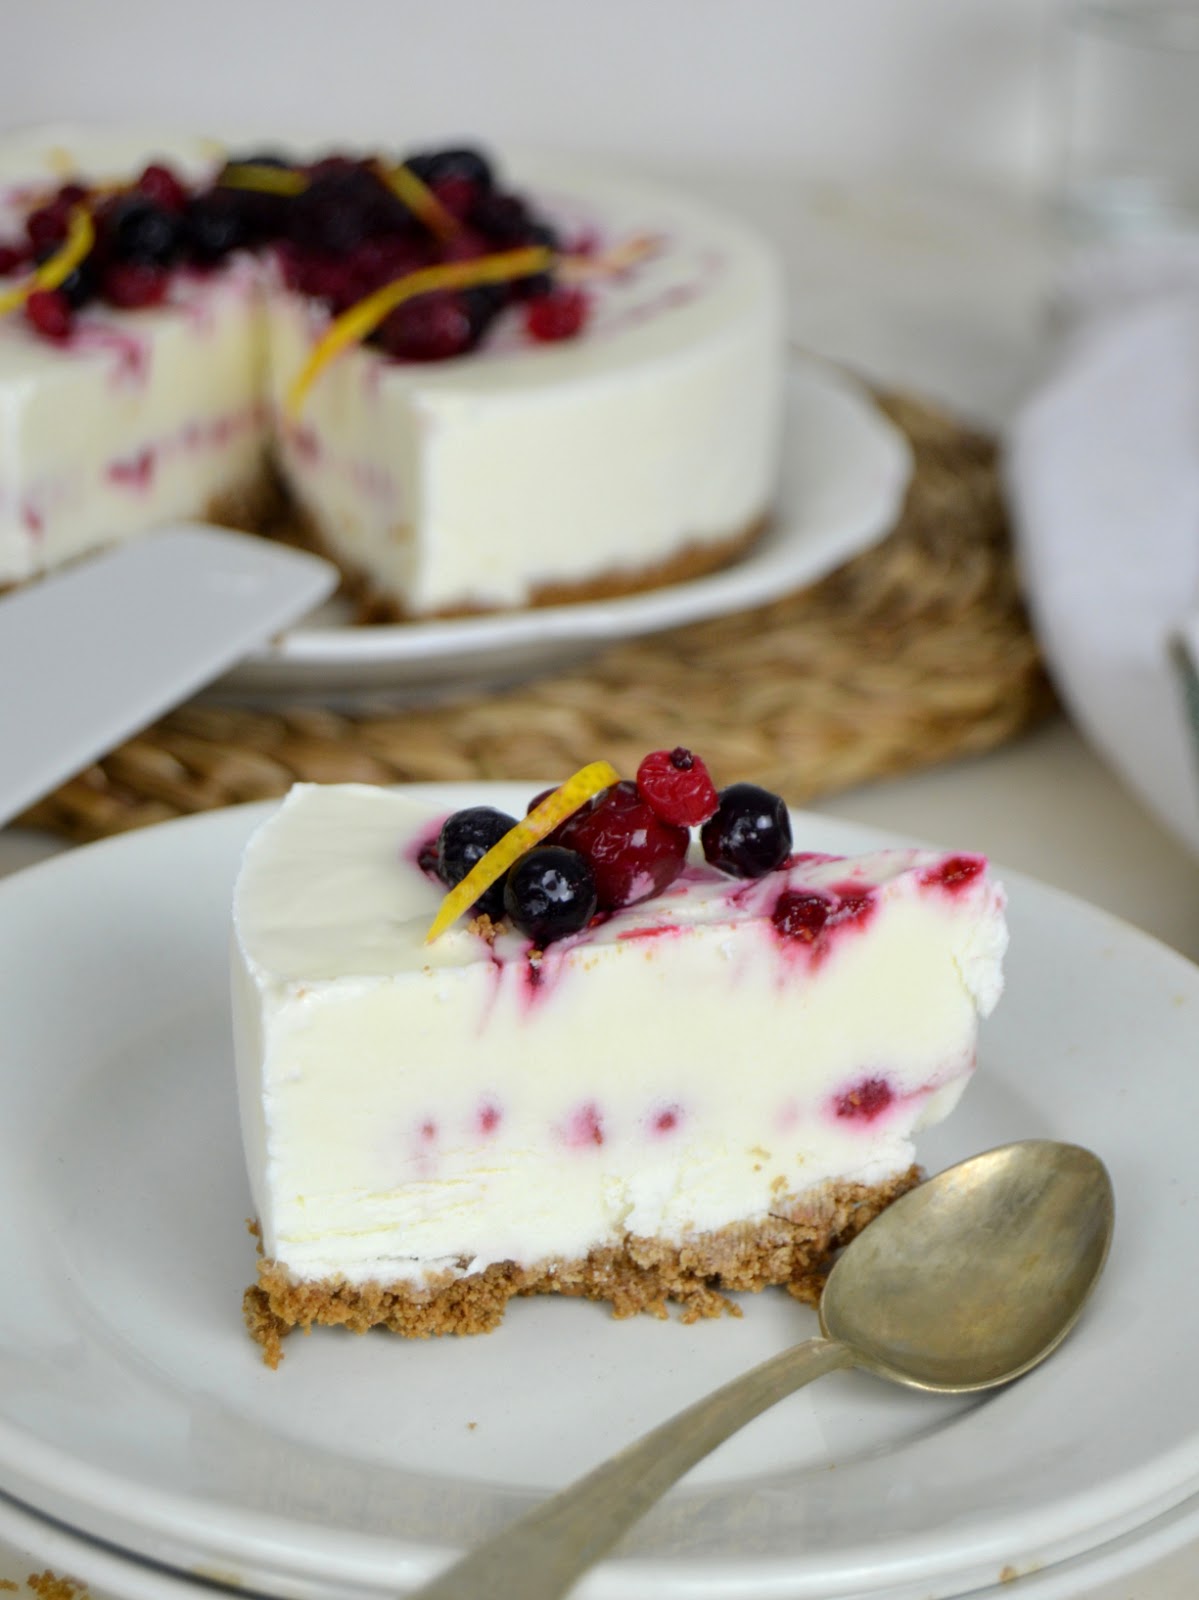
x,y
541,1554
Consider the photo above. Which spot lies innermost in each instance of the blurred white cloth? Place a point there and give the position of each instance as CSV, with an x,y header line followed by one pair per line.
x,y
1103,474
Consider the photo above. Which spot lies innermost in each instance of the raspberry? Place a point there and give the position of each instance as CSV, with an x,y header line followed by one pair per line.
x,y
632,853
677,786
49,311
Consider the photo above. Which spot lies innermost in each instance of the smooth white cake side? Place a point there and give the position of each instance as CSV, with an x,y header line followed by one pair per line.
x,y
410,1108
474,482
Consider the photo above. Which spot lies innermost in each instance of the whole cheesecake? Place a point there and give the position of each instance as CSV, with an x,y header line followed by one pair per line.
x,y
700,1081
576,390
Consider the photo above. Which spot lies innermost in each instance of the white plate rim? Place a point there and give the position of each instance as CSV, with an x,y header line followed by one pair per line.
x,y
1168,1482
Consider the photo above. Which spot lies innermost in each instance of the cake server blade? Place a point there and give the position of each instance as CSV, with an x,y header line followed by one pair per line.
x,y
95,652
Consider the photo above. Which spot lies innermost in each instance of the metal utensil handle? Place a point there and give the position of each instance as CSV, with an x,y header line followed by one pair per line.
x,y
540,1556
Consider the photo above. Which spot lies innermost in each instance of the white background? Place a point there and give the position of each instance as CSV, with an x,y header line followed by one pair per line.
x,y
959,86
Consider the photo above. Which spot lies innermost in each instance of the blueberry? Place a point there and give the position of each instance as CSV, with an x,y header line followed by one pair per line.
x,y
144,233
550,893
431,166
339,209
259,158
483,304
215,224
465,838
78,287
503,220
749,834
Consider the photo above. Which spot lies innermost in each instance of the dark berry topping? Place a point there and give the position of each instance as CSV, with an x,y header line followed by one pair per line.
x,y
137,230
749,834
341,207
12,258
433,327
677,786
465,838
49,311
503,220
132,285
560,314
78,287
438,166
46,228
631,851
214,225
550,893
160,186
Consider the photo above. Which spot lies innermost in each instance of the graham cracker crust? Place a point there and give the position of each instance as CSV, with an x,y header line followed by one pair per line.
x,y
793,1247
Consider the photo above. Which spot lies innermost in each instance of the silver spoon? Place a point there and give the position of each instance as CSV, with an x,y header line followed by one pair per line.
x,y
963,1284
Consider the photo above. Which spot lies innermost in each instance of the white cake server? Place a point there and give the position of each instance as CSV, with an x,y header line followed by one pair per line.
x,y
95,652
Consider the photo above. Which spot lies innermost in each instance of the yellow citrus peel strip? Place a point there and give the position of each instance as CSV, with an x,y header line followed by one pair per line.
x,y
263,179
420,200
352,326
56,269
542,820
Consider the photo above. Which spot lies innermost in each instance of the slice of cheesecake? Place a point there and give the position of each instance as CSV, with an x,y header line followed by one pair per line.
x,y
709,1090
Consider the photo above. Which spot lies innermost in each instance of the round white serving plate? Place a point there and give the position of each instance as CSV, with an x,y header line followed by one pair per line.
x,y
846,469
29,1542
134,1409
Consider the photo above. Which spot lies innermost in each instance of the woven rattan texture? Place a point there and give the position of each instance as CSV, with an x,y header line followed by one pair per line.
x,y
915,652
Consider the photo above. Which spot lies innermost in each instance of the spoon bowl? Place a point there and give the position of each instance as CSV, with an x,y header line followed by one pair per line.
x,y
965,1283
974,1277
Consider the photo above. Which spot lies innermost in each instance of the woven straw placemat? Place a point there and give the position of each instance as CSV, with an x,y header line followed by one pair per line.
x,y
914,652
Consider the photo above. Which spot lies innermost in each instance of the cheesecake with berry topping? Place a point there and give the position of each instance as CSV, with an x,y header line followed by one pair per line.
x,y
651,1061
478,392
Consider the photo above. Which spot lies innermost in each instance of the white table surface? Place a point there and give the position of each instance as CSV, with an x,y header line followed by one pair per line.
x,y
944,291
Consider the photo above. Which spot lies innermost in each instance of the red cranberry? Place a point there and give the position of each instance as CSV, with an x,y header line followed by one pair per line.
x,y
46,228
49,311
465,245
159,184
132,285
433,327
323,277
457,193
677,786
632,853
557,315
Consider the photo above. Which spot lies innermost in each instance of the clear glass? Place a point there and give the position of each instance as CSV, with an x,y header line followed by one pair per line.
x,y
1130,116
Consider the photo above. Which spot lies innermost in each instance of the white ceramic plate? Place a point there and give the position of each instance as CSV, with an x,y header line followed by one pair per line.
x,y
31,1543
845,472
134,1408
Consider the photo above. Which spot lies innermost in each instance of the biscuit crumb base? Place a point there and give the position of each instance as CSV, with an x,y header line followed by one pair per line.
x,y
792,1247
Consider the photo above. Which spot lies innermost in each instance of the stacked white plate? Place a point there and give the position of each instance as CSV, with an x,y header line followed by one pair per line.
x,y
138,1425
